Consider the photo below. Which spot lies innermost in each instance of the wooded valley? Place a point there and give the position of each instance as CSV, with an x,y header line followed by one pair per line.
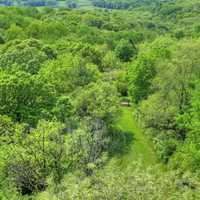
x,y
100,100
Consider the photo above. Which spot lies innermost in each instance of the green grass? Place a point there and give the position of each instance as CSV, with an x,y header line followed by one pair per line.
x,y
141,148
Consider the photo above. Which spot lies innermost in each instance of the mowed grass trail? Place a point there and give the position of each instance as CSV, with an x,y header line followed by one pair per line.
x,y
141,148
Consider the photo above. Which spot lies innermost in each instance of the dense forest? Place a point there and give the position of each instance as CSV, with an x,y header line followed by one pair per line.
x,y
100,103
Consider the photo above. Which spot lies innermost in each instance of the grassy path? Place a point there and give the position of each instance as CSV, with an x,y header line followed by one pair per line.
x,y
141,148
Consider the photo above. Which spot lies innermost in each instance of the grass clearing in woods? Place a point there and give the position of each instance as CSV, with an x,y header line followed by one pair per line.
x,y
141,148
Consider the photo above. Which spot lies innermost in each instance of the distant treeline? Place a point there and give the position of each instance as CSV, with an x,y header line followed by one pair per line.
x,y
38,3
117,4
108,4
112,4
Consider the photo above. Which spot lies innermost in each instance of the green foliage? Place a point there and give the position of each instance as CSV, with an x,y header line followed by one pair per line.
x,y
140,77
125,50
113,183
63,108
34,154
26,55
62,72
68,73
1,40
168,94
25,98
187,156
98,101
14,32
